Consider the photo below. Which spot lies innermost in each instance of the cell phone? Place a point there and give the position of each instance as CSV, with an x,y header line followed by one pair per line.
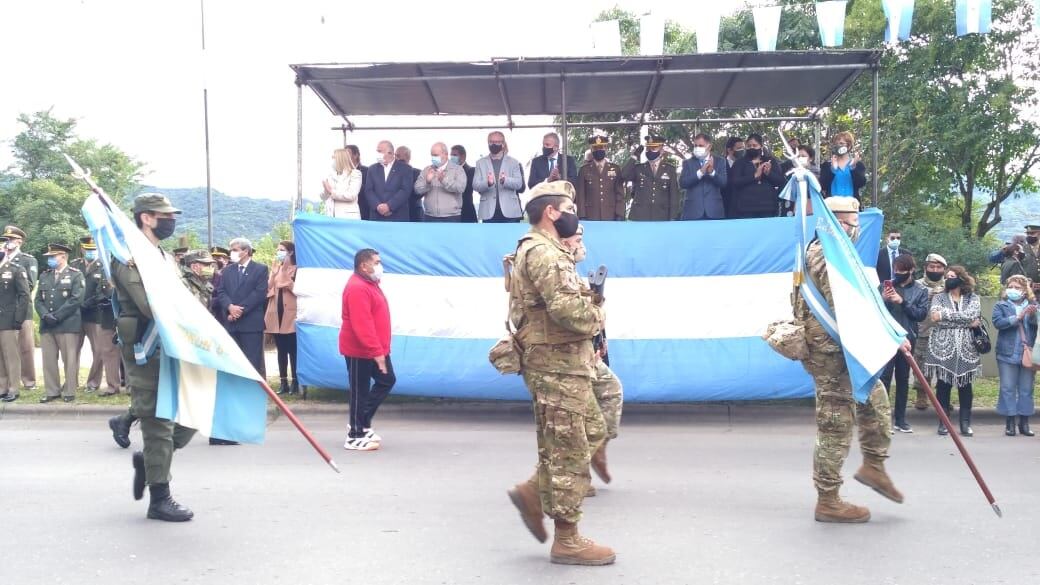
x,y
888,284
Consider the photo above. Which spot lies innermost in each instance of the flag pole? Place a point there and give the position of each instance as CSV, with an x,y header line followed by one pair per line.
x,y
949,425
299,425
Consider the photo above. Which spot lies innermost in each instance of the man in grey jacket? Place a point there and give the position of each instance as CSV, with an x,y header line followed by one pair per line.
x,y
498,178
441,185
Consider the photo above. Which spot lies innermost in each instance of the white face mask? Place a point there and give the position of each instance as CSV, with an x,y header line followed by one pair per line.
x,y
236,256
700,151
804,161
377,273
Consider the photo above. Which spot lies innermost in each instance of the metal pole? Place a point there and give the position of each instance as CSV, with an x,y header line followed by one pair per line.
x,y
874,145
633,123
816,140
299,149
205,126
563,126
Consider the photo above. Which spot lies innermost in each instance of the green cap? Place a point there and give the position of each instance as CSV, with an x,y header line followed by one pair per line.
x,y
155,202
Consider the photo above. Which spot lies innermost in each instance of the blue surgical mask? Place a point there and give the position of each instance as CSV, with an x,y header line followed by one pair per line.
x,y
280,255
435,161
454,160
90,255
52,262
1014,294
893,244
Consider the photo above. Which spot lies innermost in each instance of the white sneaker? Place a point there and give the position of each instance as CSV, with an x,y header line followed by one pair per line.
x,y
360,444
369,434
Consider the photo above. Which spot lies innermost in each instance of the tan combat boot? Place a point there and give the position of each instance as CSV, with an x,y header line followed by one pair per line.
x,y
591,492
921,403
831,508
525,498
599,463
571,548
872,474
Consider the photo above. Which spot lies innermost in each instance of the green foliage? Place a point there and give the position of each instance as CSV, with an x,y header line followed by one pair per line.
x,y
232,216
266,246
47,213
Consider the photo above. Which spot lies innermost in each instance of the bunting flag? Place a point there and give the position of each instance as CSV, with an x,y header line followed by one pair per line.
x,y
974,16
831,18
767,25
707,29
900,14
606,38
651,35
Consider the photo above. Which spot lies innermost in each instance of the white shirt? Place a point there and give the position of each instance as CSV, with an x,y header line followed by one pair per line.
x,y
386,169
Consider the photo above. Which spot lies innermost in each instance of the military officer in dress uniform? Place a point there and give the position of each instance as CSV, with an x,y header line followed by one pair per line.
x,y
58,301
14,310
655,183
26,337
600,193
99,323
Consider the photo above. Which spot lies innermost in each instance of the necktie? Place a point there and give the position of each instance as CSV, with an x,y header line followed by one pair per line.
x,y
892,263
551,160
242,270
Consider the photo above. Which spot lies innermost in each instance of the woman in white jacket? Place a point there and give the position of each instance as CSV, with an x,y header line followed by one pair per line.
x,y
342,188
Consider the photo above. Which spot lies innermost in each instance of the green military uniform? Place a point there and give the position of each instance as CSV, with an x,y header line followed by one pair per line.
x,y
99,325
1031,262
27,336
599,192
655,186
14,310
58,301
924,328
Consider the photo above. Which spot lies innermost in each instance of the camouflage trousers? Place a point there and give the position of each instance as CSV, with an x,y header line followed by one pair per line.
x,y
836,412
570,427
920,353
609,396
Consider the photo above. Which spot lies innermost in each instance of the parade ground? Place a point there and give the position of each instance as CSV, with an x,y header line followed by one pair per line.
x,y
711,494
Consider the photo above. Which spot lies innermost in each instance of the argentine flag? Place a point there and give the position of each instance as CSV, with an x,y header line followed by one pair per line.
x,y
205,382
859,321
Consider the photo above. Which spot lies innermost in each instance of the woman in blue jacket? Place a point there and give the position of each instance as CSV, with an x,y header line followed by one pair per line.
x,y
1015,318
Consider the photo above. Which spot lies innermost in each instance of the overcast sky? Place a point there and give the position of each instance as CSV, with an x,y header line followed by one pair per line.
x,y
131,72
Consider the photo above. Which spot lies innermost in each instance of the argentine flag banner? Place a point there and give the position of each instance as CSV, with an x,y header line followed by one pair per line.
x,y
859,320
687,303
205,382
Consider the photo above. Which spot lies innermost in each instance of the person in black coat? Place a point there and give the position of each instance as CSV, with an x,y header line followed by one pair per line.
x,y
362,202
389,187
242,298
755,181
890,249
469,211
845,174
547,166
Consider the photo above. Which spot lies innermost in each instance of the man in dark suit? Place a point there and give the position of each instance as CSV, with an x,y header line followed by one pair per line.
x,y
242,297
703,177
890,249
389,187
415,204
547,166
469,211
355,154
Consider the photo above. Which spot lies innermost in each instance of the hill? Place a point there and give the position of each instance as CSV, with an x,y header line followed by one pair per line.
x,y
1022,208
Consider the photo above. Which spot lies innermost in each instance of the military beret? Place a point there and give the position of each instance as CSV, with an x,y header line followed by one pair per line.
x,y
655,140
552,188
933,257
13,232
155,202
842,204
53,249
87,243
199,256
216,251
598,141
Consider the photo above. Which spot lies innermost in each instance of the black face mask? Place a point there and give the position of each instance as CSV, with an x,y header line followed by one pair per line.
x,y
952,283
753,152
165,227
566,225
1032,239
547,151
495,148
599,154
652,154
934,276
902,277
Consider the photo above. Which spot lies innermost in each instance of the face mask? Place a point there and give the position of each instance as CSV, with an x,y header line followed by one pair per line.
x,y
952,283
207,271
652,154
739,153
566,225
377,273
547,151
495,148
894,244
902,276
52,262
804,161
454,160
599,154
934,276
841,150
753,152
90,255
235,257
1032,239
164,228
700,151
1014,294
280,255
435,161
579,253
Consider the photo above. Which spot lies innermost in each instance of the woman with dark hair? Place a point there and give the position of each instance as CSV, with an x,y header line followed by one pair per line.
x,y
280,319
755,181
952,356
1015,319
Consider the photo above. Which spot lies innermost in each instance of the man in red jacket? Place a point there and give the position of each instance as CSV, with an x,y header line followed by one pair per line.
x,y
364,340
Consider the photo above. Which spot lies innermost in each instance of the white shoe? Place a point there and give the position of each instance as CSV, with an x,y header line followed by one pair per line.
x,y
360,444
369,434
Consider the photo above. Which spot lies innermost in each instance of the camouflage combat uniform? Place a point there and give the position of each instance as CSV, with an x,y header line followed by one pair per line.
x,y
556,324
198,286
836,409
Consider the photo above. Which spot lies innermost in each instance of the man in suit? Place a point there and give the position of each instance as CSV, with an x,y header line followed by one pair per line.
x,y
355,155
547,166
469,211
415,200
888,253
389,187
600,193
704,176
242,297
655,183
498,178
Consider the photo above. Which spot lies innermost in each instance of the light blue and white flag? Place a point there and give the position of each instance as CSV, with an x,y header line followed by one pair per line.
x,y
767,23
830,16
900,15
859,320
974,16
205,381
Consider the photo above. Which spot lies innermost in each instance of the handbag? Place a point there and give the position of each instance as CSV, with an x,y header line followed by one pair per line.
x,y
1027,351
980,337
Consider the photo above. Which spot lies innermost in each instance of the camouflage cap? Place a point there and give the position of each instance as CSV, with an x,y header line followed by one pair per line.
x,y
12,232
839,204
155,202
553,188
198,256
933,257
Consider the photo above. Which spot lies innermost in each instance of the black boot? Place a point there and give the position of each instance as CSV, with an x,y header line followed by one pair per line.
x,y
1023,426
120,426
283,387
295,389
966,424
138,462
216,441
1009,426
163,507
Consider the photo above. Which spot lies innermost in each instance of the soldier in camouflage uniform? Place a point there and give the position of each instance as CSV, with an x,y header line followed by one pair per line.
x,y
934,279
555,325
197,273
836,409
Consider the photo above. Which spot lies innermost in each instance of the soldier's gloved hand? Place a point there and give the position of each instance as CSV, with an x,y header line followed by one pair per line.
x,y
638,151
49,319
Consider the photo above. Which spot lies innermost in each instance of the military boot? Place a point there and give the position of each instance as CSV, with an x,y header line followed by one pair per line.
x,y
831,508
120,426
591,492
571,548
139,478
525,498
921,403
163,507
599,463
872,474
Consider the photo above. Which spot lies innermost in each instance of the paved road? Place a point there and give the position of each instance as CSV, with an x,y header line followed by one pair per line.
x,y
697,498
